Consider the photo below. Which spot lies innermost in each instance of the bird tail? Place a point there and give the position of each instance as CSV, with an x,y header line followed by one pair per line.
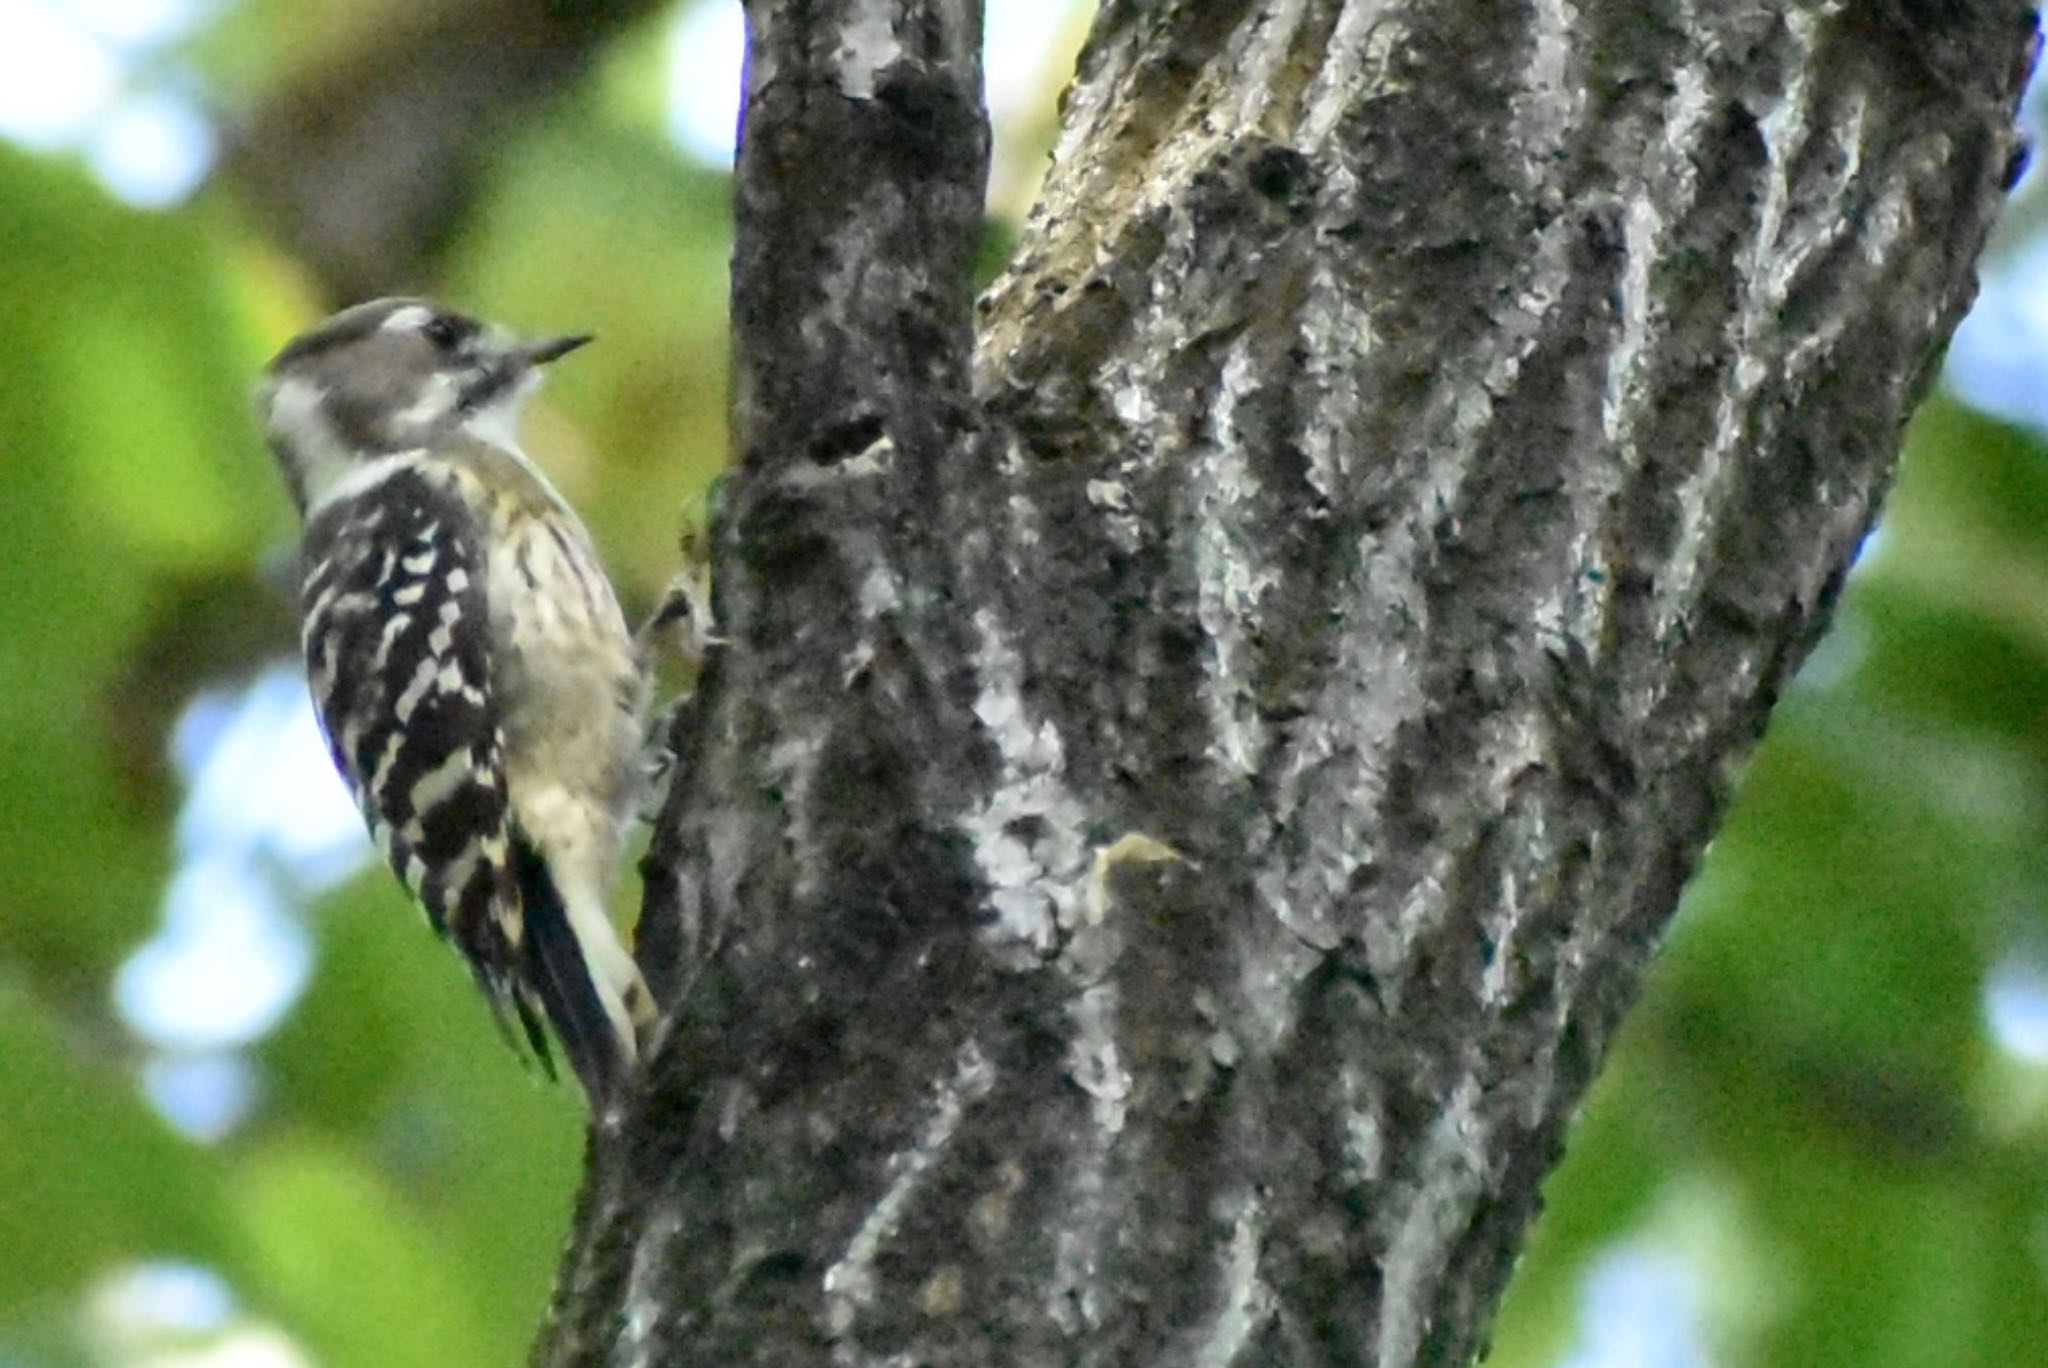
x,y
559,970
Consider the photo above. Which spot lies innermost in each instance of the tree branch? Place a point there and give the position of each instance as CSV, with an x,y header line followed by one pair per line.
x,y
1173,834
859,189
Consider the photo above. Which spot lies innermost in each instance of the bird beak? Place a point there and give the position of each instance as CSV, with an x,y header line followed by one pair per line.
x,y
551,348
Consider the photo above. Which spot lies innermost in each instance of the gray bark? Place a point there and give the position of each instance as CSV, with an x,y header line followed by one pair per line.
x,y
1206,749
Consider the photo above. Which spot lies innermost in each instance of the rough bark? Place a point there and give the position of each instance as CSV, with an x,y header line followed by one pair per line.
x,y
1203,758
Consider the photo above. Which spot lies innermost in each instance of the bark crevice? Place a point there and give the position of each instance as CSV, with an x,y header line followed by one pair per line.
x,y
1207,751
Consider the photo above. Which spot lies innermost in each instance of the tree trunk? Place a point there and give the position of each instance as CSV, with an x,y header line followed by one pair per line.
x,y
1205,750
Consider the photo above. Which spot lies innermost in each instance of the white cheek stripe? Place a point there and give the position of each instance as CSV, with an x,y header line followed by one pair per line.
x,y
437,400
406,319
292,403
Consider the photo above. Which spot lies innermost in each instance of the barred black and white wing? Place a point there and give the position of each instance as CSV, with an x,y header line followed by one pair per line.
x,y
399,661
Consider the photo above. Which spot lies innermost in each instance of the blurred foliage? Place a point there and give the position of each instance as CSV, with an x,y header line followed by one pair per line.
x,y
1806,1110
1807,1107
400,1190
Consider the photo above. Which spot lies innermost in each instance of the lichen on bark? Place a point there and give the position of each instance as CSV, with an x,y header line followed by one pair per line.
x,y
1208,740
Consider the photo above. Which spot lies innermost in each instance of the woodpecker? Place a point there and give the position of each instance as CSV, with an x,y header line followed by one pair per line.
x,y
474,675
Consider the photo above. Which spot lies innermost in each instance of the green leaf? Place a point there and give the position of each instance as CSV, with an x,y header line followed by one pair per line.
x,y
129,463
89,1175
393,1053
358,1273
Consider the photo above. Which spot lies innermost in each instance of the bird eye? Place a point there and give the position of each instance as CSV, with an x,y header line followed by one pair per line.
x,y
442,332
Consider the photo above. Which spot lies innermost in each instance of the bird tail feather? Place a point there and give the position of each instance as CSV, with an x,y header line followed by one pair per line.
x,y
554,968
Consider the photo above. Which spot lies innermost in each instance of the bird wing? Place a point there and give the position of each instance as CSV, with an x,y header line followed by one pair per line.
x,y
398,658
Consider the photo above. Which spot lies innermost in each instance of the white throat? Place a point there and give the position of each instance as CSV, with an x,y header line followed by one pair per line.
x,y
497,423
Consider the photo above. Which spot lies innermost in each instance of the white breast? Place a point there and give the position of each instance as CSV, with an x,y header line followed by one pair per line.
x,y
569,685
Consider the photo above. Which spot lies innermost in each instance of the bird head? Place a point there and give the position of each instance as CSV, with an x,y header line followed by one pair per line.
x,y
390,376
